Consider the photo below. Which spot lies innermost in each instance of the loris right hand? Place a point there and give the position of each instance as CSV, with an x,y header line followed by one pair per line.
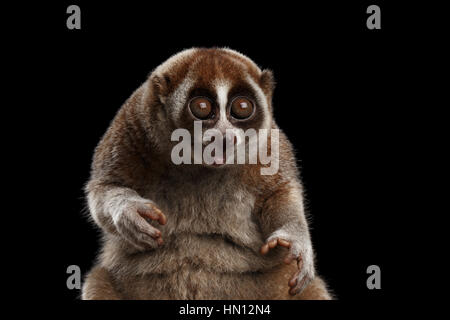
x,y
131,221
298,251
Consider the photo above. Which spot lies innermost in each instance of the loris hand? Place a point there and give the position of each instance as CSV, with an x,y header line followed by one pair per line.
x,y
131,221
299,252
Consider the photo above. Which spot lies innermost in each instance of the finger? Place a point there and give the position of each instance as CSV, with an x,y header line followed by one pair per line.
x,y
300,262
273,243
139,240
293,281
162,218
148,239
152,212
289,258
299,287
153,232
148,213
284,243
264,249
143,227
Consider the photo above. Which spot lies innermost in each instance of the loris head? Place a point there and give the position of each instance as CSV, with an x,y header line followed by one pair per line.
x,y
220,88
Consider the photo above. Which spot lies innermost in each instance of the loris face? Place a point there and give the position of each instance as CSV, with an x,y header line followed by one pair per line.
x,y
220,88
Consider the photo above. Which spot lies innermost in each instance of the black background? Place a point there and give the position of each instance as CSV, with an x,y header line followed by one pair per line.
x,y
337,99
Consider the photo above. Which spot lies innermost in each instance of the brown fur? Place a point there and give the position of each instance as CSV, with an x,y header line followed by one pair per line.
x,y
217,218
196,285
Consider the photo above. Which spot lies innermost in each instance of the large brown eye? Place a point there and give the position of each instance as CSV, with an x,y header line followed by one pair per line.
x,y
201,107
241,108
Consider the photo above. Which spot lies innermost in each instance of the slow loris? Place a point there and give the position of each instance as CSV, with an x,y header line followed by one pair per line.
x,y
198,231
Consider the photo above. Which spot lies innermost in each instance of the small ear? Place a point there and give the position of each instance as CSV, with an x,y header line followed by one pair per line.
x,y
160,84
267,81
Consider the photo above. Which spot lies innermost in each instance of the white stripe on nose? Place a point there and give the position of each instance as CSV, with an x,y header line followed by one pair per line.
x,y
222,88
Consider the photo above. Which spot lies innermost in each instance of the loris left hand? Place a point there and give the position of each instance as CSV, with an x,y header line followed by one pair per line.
x,y
299,252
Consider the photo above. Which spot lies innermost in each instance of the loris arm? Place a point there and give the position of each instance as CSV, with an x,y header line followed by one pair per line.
x,y
117,166
121,211
283,222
